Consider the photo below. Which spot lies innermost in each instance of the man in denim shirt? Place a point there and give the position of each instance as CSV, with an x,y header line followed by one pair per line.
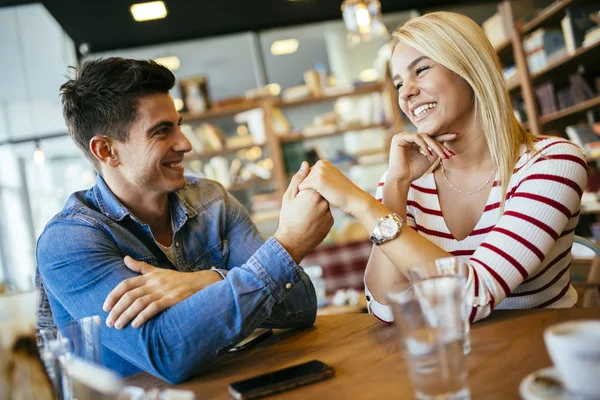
x,y
173,265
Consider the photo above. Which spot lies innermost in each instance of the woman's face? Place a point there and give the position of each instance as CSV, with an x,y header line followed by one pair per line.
x,y
436,100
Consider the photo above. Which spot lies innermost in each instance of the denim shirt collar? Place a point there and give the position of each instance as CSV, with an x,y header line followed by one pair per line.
x,y
110,206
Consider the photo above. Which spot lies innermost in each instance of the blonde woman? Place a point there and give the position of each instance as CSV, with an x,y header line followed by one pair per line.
x,y
471,182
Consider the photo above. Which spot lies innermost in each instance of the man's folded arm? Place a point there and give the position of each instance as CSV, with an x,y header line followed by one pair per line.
x,y
175,344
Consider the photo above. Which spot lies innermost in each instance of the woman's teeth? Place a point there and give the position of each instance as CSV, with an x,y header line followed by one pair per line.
x,y
423,109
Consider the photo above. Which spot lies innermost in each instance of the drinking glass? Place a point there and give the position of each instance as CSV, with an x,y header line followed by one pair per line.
x,y
448,266
22,372
430,325
84,334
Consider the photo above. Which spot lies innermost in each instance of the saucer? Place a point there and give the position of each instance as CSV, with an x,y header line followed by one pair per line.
x,y
543,384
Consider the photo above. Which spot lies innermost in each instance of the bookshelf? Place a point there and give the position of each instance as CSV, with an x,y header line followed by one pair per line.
x,y
295,137
557,71
275,141
569,111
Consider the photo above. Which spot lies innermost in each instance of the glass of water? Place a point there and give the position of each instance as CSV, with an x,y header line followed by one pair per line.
x,y
429,320
448,266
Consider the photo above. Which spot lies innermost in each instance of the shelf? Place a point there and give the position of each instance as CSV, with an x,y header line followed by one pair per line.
x,y
577,108
582,54
213,153
218,112
252,183
295,137
513,83
360,90
550,15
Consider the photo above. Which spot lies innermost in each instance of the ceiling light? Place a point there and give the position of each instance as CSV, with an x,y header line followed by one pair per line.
x,y
171,62
38,155
281,47
368,75
148,11
363,20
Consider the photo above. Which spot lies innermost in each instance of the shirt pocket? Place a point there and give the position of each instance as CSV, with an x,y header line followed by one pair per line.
x,y
215,256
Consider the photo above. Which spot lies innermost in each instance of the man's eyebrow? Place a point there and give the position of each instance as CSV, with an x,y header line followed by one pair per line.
x,y
411,65
166,124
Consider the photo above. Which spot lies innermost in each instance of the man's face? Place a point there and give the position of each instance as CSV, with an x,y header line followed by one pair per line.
x,y
151,160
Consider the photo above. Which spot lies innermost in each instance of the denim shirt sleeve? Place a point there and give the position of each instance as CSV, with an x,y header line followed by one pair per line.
x,y
80,264
299,305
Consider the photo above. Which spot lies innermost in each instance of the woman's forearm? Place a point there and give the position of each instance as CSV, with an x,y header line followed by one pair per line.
x,y
395,194
409,248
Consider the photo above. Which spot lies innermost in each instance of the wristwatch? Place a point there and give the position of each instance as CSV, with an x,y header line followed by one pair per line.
x,y
386,228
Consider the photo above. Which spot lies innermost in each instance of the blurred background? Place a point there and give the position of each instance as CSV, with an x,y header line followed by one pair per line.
x,y
262,85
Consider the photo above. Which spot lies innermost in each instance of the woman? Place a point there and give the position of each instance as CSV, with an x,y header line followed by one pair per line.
x,y
471,182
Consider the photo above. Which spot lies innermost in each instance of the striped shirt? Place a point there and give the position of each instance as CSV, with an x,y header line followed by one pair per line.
x,y
520,259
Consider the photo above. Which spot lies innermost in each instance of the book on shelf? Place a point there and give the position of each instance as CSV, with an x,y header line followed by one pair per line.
x,y
546,98
542,47
580,88
584,137
578,20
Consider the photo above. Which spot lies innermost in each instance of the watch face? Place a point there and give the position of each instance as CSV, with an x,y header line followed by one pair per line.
x,y
388,227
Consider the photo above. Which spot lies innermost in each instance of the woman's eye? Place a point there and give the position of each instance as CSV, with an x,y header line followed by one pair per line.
x,y
421,69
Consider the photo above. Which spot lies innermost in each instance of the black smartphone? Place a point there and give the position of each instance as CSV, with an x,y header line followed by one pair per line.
x,y
281,380
255,337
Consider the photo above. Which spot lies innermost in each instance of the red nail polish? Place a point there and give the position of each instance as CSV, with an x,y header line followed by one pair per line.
x,y
454,133
451,152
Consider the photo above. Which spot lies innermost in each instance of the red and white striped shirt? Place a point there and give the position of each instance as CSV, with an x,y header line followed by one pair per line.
x,y
520,259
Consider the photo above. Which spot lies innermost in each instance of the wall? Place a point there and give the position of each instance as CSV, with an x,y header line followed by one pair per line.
x,y
228,62
35,53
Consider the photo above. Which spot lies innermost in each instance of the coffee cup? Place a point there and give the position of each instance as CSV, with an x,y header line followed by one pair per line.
x,y
574,348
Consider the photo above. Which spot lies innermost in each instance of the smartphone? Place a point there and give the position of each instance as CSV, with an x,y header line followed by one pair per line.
x,y
255,337
281,380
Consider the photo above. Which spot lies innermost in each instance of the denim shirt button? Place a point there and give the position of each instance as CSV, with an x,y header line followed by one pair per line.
x,y
176,244
288,286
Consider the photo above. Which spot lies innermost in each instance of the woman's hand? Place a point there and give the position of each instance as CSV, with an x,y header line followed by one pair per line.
x,y
155,290
338,190
412,154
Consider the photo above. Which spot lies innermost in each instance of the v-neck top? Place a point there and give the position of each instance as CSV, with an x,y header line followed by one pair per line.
x,y
520,259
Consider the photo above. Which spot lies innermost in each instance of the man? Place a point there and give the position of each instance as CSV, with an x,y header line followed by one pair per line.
x,y
174,266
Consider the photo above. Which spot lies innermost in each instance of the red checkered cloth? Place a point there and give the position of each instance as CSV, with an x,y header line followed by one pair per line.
x,y
343,265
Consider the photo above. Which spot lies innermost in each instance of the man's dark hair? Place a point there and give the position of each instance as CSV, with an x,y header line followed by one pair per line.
x,y
102,98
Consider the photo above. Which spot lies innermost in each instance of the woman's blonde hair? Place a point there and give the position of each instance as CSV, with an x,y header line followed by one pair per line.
x,y
460,45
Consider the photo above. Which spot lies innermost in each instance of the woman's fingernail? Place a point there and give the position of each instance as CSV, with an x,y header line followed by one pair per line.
x,y
454,133
451,152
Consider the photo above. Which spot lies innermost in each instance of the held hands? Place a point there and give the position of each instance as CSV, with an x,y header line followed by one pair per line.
x,y
334,186
155,290
304,220
412,154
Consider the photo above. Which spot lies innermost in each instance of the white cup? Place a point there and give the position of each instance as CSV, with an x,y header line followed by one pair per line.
x,y
574,347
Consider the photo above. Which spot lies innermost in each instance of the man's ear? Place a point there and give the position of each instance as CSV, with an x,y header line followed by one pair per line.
x,y
102,147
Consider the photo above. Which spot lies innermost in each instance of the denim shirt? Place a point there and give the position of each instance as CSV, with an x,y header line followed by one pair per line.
x,y
80,260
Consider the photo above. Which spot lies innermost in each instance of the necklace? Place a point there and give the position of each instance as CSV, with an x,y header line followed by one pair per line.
x,y
460,191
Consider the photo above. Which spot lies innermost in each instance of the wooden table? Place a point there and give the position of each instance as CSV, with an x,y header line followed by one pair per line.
x,y
368,362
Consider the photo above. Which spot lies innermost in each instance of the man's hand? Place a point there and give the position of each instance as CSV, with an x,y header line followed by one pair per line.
x,y
304,220
155,290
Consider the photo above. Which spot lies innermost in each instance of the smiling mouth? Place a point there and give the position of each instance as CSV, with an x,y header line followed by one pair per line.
x,y
423,110
175,165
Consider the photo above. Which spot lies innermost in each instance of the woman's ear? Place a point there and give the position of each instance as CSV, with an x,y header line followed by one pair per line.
x,y
103,149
